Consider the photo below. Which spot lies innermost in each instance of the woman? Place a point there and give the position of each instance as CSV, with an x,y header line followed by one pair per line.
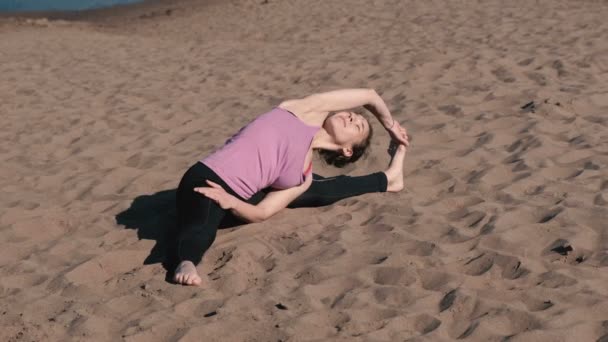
x,y
275,151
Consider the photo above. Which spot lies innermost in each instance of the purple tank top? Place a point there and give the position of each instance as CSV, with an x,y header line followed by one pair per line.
x,y
269,151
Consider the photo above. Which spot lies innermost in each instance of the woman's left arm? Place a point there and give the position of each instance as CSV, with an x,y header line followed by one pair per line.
x,y
394,128
274,202
344,99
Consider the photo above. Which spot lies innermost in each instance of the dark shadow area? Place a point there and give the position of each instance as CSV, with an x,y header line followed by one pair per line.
x,y
155,217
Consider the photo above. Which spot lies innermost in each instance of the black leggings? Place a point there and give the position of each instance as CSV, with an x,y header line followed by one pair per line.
x,y
199,217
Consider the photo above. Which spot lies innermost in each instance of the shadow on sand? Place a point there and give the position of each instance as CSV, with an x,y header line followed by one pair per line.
x,y
155,218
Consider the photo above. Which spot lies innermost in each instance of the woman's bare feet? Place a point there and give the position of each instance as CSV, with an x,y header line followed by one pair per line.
x,y
394,173
186,274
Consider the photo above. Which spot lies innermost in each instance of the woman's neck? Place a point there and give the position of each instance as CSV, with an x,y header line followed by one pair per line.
x,y
324,141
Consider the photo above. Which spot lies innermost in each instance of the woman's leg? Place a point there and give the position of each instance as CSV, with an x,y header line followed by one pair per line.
x,y
325,191
322,191
198,220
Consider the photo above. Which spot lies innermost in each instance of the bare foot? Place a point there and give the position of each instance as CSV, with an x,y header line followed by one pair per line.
x,y
394,173
186,274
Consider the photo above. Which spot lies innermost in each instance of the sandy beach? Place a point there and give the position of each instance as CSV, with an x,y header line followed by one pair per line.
x,y
500,235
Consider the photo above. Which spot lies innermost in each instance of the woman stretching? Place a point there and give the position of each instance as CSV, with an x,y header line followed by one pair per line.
x,y
267,166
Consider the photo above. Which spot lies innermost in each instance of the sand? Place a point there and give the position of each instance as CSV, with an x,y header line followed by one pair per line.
x,y
499,235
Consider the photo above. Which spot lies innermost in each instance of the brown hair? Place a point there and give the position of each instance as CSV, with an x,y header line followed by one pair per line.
x,y
337,159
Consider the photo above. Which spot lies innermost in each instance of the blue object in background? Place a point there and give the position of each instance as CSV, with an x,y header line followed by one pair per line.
x,y
57,5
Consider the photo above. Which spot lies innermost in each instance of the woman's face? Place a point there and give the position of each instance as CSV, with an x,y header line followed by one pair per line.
x,y
347,128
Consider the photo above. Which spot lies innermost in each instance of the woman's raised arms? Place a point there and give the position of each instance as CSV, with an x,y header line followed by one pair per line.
x,y
315,107
332,101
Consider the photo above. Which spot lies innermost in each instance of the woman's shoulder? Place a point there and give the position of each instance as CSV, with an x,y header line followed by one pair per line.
x,y
293,106
304,109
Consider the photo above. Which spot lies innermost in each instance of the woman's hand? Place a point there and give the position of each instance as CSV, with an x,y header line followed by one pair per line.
x,y
398,133
218,195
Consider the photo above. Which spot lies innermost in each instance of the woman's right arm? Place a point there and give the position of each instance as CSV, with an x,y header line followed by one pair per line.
x,y
333,101
343,99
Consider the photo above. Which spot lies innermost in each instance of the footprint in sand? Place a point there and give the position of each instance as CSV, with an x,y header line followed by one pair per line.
x,y
554,280
558,66
23,204
468,219
110,266
344,300
535,304
144,162
418,248
579,256
561,114
558,247
392,276
375,228
310,275
579,142
523,144
205,308
480,264
482,139
503,75
333,291
268,263
474,176
489,226
288,243
550,215
431,177
393,296
537,78
534,190
461,309
470,328
434,280
561,249
451,235
315,324
377,259
512,268
342,218
526,62
20,281
367,320
425,324
448,300
220,262
451,110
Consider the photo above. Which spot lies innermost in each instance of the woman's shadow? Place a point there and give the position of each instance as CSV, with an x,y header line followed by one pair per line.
x,y
155,218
